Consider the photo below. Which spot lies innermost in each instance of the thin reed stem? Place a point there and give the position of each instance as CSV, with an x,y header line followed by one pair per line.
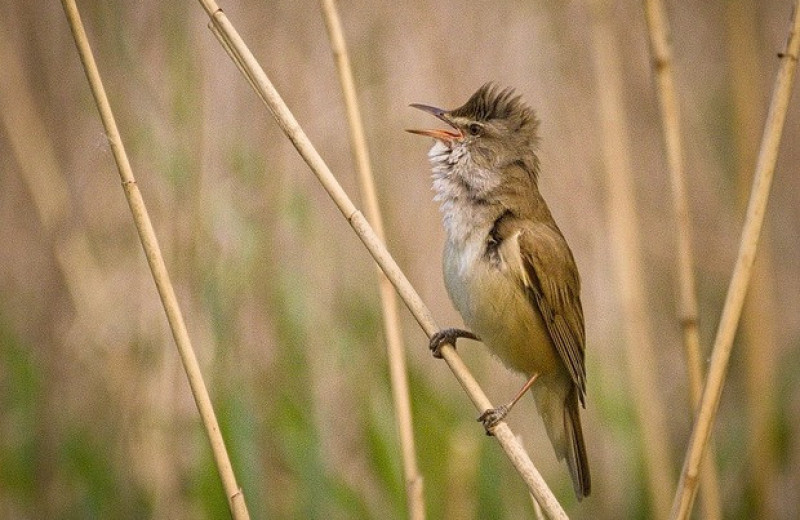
x,y
158,269
734,301
286,120
391,320
688,318
625,244
758,327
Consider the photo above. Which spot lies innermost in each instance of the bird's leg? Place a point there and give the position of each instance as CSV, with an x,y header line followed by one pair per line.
x,y
492,416
448,336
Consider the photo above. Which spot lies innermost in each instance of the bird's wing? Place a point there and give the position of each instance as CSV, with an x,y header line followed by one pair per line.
x,y
550,277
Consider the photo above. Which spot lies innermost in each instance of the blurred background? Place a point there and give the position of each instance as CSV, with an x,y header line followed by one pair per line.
x,y
96,418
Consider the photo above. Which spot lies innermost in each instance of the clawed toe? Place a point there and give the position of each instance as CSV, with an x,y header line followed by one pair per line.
x,y
492,416
449,337
437,340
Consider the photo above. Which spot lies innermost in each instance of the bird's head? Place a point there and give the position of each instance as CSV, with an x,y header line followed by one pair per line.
x,y
494,129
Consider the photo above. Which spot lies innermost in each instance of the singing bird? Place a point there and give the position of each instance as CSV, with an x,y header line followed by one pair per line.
x,y
507,267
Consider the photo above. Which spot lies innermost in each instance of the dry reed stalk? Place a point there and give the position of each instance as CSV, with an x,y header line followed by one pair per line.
x,y
734,301
661,52
625,246
394,343
155,260
247,63
758,316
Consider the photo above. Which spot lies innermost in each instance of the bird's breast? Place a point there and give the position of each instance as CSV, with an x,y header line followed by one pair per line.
x,y
492,302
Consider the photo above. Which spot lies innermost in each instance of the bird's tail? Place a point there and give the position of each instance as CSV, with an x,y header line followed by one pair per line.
x,y
576,448
563,423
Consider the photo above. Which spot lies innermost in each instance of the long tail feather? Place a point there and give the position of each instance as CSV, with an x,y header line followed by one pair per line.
x,y
576,448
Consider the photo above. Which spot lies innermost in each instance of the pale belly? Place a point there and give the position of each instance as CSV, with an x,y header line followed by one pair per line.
x,y
494,306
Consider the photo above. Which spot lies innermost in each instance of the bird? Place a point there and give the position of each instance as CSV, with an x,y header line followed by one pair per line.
x,y
507,267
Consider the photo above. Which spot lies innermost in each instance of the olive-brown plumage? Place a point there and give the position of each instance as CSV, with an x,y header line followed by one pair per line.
x,y
508,268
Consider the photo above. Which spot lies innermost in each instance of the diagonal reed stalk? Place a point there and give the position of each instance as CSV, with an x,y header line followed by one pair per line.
x,y
734,301
625,244
661,53
248,65
759,326
391,319
155,260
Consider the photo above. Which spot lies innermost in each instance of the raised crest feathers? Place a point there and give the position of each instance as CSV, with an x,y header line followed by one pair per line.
x,y
491,102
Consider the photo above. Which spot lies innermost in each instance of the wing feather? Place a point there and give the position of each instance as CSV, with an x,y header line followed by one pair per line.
x,y
552,282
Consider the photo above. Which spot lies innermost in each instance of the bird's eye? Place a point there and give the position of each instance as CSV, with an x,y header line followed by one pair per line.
x,y
475,129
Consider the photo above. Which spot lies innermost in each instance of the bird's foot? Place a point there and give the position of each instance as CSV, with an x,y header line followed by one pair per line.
x,y
448,336
492,416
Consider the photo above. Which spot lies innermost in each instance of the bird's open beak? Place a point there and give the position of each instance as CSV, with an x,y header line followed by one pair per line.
x,y
440,134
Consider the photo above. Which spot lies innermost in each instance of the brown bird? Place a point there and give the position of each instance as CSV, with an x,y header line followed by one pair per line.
x,y
507,267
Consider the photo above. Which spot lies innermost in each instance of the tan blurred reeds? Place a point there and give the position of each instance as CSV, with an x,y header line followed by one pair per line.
x,y
33,150
688,314
626,250
280,299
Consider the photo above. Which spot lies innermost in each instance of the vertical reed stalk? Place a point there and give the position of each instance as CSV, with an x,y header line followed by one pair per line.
x,y
247,63
661,53
157,267
734,301
391,319
625,244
